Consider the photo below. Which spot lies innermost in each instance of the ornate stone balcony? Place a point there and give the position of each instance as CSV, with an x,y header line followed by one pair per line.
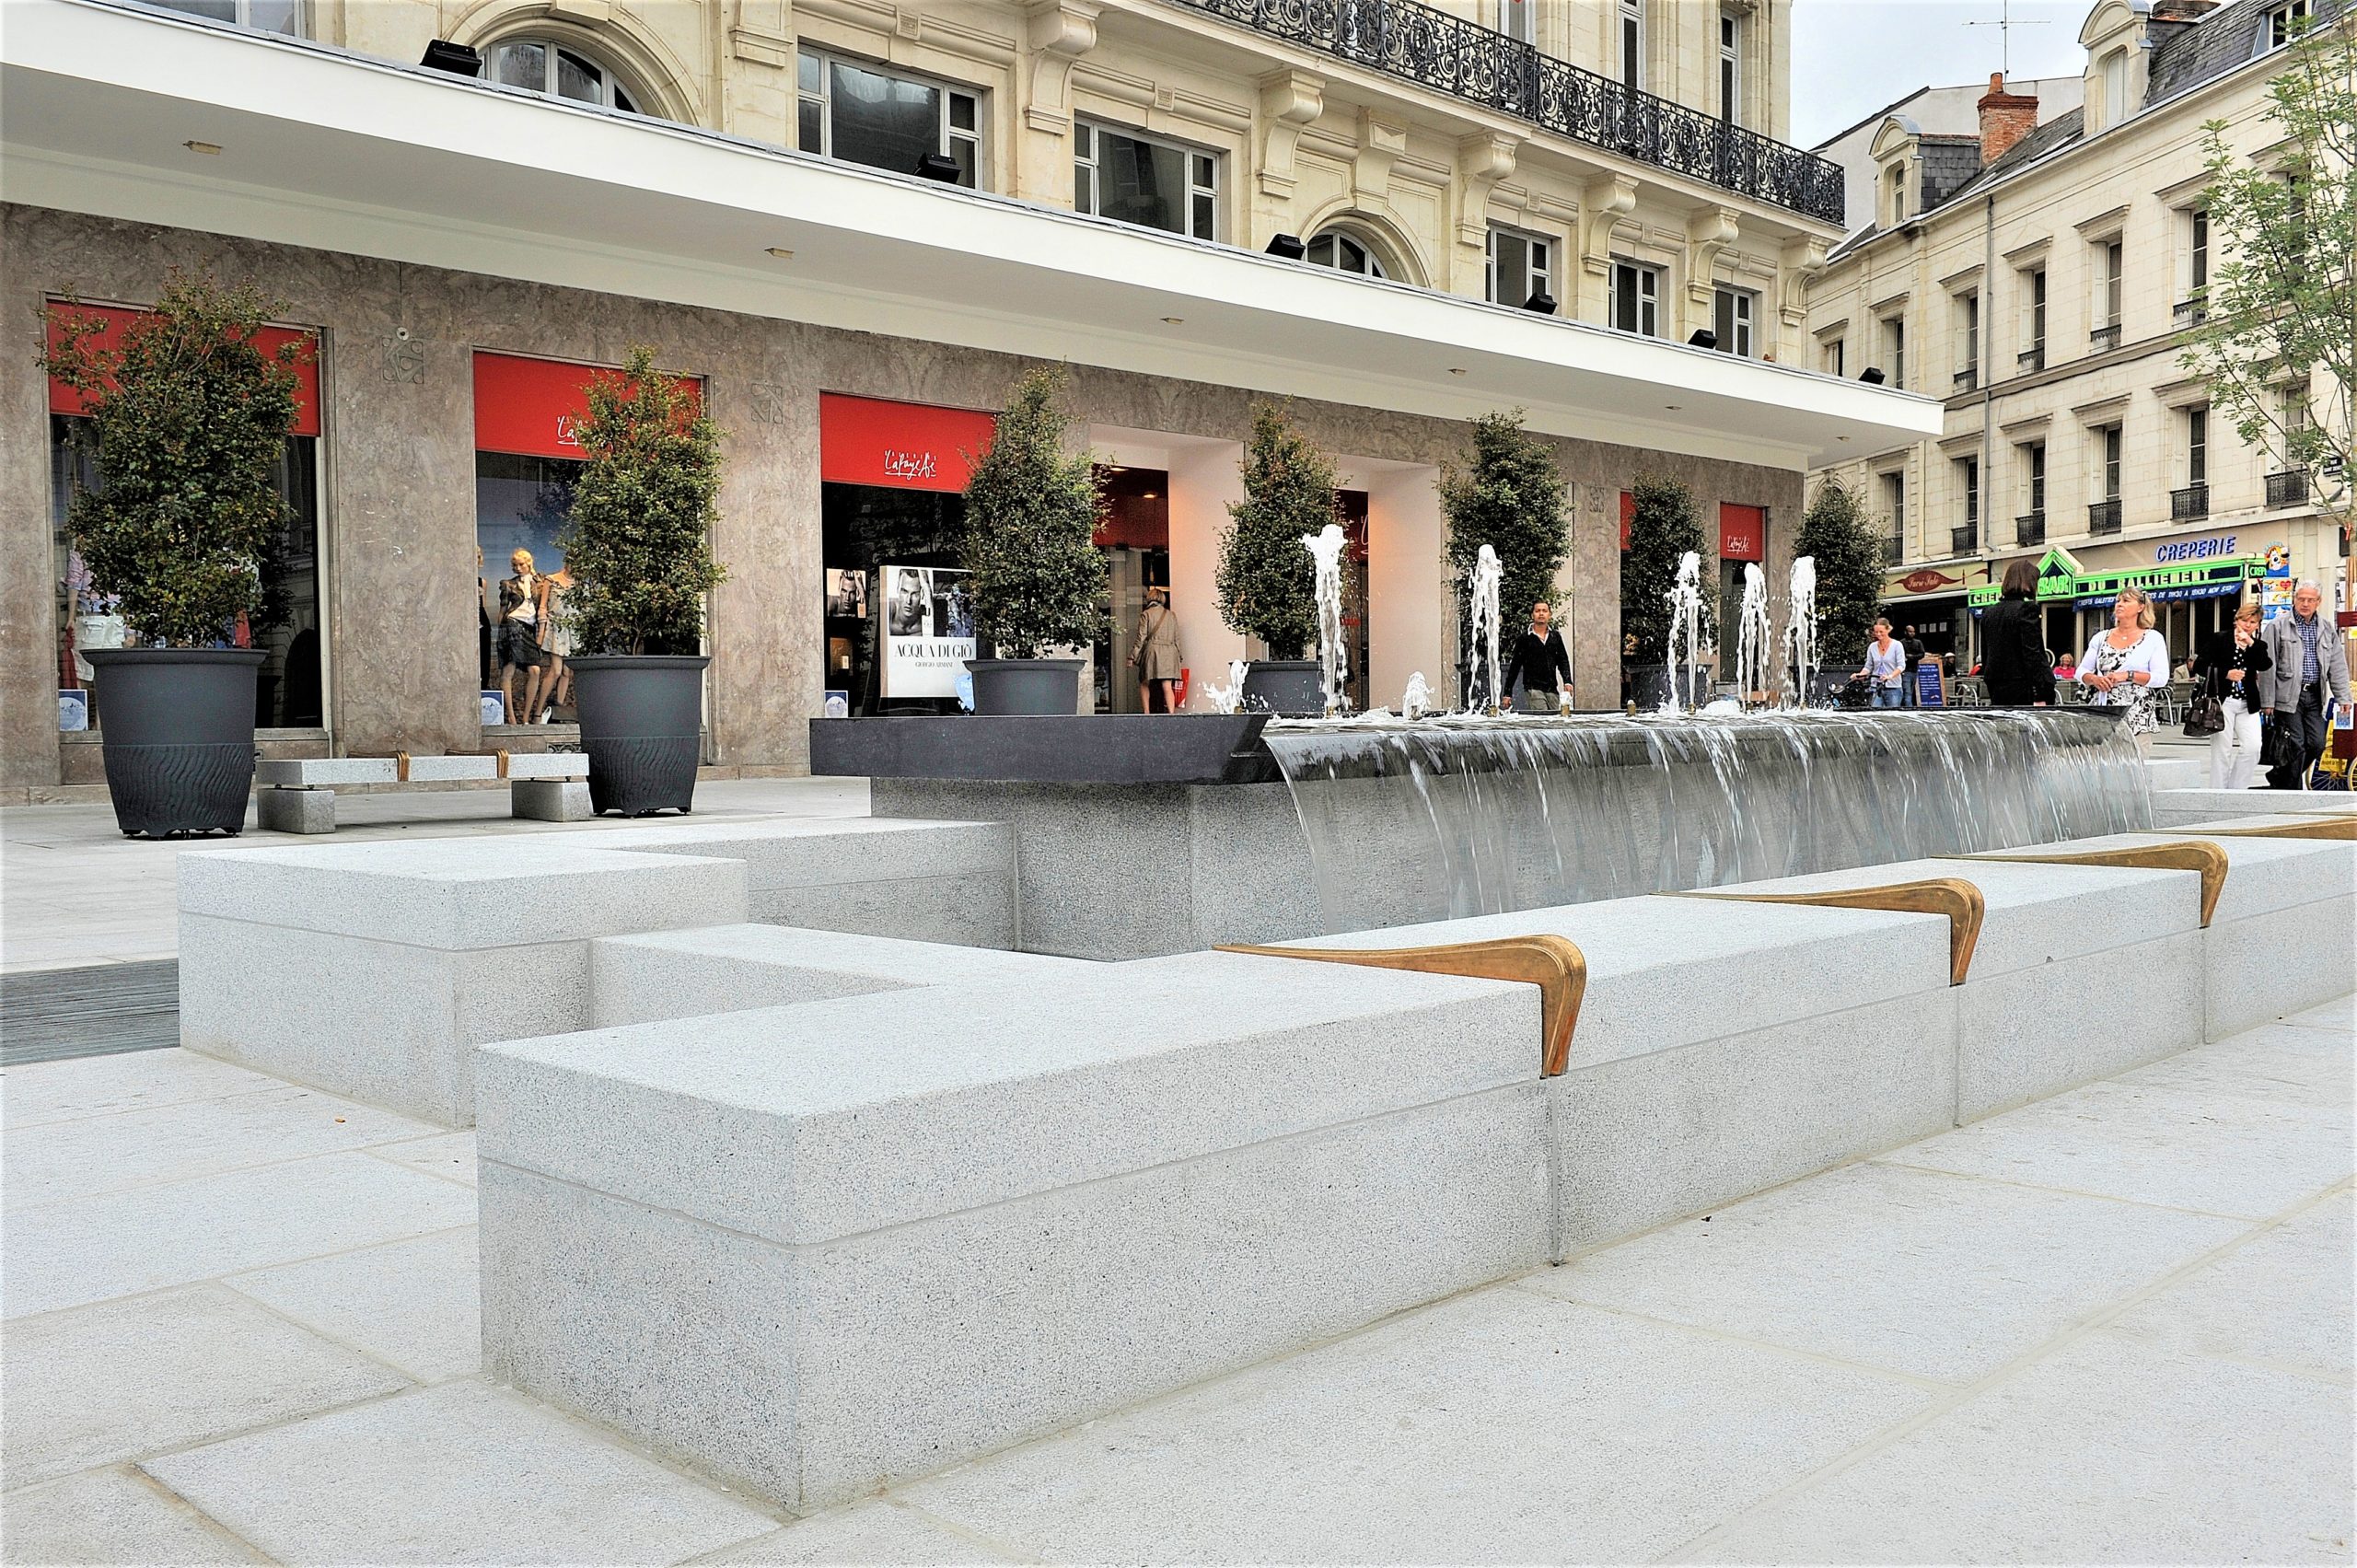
x,y
1481,66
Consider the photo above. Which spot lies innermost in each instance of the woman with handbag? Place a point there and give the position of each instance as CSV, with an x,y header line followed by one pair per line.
x,y
2123,665
2226,704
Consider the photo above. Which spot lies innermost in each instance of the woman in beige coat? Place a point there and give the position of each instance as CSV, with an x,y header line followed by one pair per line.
x,y
1155,652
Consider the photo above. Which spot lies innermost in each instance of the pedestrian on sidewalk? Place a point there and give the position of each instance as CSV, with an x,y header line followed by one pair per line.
x,y
1155,652
2124,667
1885,667
2013,660
1541,663
1908,640
2308,681
2229,665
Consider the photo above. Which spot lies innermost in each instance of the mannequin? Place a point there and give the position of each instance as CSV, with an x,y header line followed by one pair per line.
x,y
552,683
522,597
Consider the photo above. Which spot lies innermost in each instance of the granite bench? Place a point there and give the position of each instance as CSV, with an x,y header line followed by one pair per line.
x,y
298,795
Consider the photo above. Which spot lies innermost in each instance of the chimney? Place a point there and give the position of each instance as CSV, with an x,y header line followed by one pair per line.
x,y
2005,118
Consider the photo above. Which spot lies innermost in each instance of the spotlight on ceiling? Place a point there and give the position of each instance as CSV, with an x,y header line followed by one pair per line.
x,y
455,58
1870,375
1542,302
1704,338
1289,245
939,166
210,149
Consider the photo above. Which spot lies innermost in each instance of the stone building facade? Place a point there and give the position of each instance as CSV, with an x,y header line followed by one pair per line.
x,y
471,239
2040,278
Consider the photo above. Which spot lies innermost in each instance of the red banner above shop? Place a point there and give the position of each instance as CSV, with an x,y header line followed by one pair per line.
x,y
530,406
1742,532
64,399
1628,514
900,446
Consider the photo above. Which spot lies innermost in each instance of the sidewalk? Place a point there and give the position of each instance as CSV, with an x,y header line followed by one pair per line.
x,y
2114,1326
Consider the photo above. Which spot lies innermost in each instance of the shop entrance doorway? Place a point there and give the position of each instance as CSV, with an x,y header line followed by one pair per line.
x,y
1135,537
1351,505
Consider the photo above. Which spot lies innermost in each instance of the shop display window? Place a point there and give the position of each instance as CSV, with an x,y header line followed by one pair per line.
x,y
894,560
522,505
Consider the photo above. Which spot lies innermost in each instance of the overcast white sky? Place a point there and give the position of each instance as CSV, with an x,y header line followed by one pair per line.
x,y
1850,57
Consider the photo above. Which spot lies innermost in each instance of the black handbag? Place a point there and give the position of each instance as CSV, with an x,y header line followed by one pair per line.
x,y
2205,715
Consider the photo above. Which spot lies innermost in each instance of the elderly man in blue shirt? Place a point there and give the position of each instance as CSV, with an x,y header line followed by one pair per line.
x,y
2309,680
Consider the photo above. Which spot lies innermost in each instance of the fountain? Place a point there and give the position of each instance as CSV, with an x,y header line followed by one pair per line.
x,y
1326,548
1482,600
1800,632
1229,698
1754,639
1685,625
1417,700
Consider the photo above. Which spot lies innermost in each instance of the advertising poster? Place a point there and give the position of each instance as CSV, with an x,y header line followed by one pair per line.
x,y
2275,588
846,593
928,630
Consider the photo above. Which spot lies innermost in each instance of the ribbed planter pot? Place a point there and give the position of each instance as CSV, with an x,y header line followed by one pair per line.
x,y
177,729
642,724
1289,688
1025,688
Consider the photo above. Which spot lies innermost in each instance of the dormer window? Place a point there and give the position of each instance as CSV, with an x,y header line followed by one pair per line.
x,y
2115,87
2286,21
1894,181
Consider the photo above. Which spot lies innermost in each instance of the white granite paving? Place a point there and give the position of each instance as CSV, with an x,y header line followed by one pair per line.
x,y
2114,1326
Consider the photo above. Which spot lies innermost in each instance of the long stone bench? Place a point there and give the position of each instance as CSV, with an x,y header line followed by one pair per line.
x,y
2180,807
298,795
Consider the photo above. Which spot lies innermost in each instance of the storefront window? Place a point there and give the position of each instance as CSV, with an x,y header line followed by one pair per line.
x,y
522,505
1134,534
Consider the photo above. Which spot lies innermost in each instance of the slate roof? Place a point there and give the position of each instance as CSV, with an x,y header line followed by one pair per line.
x,y
1947,163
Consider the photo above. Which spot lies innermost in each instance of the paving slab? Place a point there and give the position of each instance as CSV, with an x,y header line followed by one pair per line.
x,y
102,1086
413,1304
2181,1148
874,1532
87,1250
2286,1063
447,1155
91,1156
2338,1013
113,1515
460,1473
2283,1296
123,1379
1928,1274
2112,1450
1500,1427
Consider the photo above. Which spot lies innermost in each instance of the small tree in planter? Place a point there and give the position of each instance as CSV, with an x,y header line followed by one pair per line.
x,y
1506,493
1849,551
639,549
1266,581
187,418
1036,578
1661,529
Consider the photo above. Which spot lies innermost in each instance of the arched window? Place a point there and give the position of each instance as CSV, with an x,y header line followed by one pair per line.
x,y
1343,253
542,66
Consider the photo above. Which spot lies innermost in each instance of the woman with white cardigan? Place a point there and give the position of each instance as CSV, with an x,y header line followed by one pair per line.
x,y
2124,664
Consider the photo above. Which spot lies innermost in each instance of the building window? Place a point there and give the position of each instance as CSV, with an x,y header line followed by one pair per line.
x,y
1895,194
1894,342
1732,321
2034,320
1969,477
2197,445
2108,444
1730,66
1894,501
1339,251
2284,22
1967,322
1520,265
1633,43
1514,19
2034,476
2115,86
886,120
536,66
1636,298
263,15
1155,184
1836,358
2197,226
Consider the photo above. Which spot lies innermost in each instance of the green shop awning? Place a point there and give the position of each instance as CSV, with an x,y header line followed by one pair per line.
x,y
2059,580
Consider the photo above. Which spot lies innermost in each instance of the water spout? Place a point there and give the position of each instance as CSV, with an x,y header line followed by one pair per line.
x,y
1755,640
1227,699
1418,699
1326,548
1686,626
1482,595
1800,632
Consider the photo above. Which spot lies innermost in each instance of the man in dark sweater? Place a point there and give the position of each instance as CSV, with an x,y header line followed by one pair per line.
x,y
1540,660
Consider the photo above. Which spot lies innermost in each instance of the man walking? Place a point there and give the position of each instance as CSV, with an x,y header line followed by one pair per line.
x,y
1542,663
1912,682
2310,661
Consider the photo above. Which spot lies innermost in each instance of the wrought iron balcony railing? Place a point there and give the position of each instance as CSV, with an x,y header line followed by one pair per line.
x,y
2029,528
2193,501
2103,339
1482,65
1965,540
2288,488
2031,358
2103,517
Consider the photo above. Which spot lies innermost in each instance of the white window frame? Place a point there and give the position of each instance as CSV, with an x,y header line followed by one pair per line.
x,y
1088,159
1632,44
1736,310
2112,447
1836,357
2110,272
1894,496
2032,454
1894,339
297,13
1967,316
1895,186
617,93
1968,478
2280,20
950,92
1730,66
1337,238
2197,251
1645,300
1540,267
1519,20
2197,445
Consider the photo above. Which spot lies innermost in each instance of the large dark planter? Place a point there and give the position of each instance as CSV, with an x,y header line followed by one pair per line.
x,y
1289,688
177,728
642,724
1025,688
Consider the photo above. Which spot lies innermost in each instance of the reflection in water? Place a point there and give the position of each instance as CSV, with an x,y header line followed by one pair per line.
x,y
1458,817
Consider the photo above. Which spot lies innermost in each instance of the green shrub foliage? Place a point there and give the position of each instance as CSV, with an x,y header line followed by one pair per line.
x,y
1268,584
1665,526
188,422
1507,493
639,545
1849,551
1032,511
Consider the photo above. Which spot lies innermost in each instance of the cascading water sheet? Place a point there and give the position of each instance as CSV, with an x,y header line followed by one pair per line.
x,y
1458,817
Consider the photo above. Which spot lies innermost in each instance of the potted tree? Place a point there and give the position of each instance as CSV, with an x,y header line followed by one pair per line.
x,y
1266,581
1506,493
1662,528
639,551
188,417
1035,573
1848,549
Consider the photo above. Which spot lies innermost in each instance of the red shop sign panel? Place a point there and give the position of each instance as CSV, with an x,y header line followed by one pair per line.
x,y
530,406
1742,532
1628,514
64,399
899,446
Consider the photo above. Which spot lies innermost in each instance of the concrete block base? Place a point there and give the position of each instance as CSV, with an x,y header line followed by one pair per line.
x,y
295,810
551,800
